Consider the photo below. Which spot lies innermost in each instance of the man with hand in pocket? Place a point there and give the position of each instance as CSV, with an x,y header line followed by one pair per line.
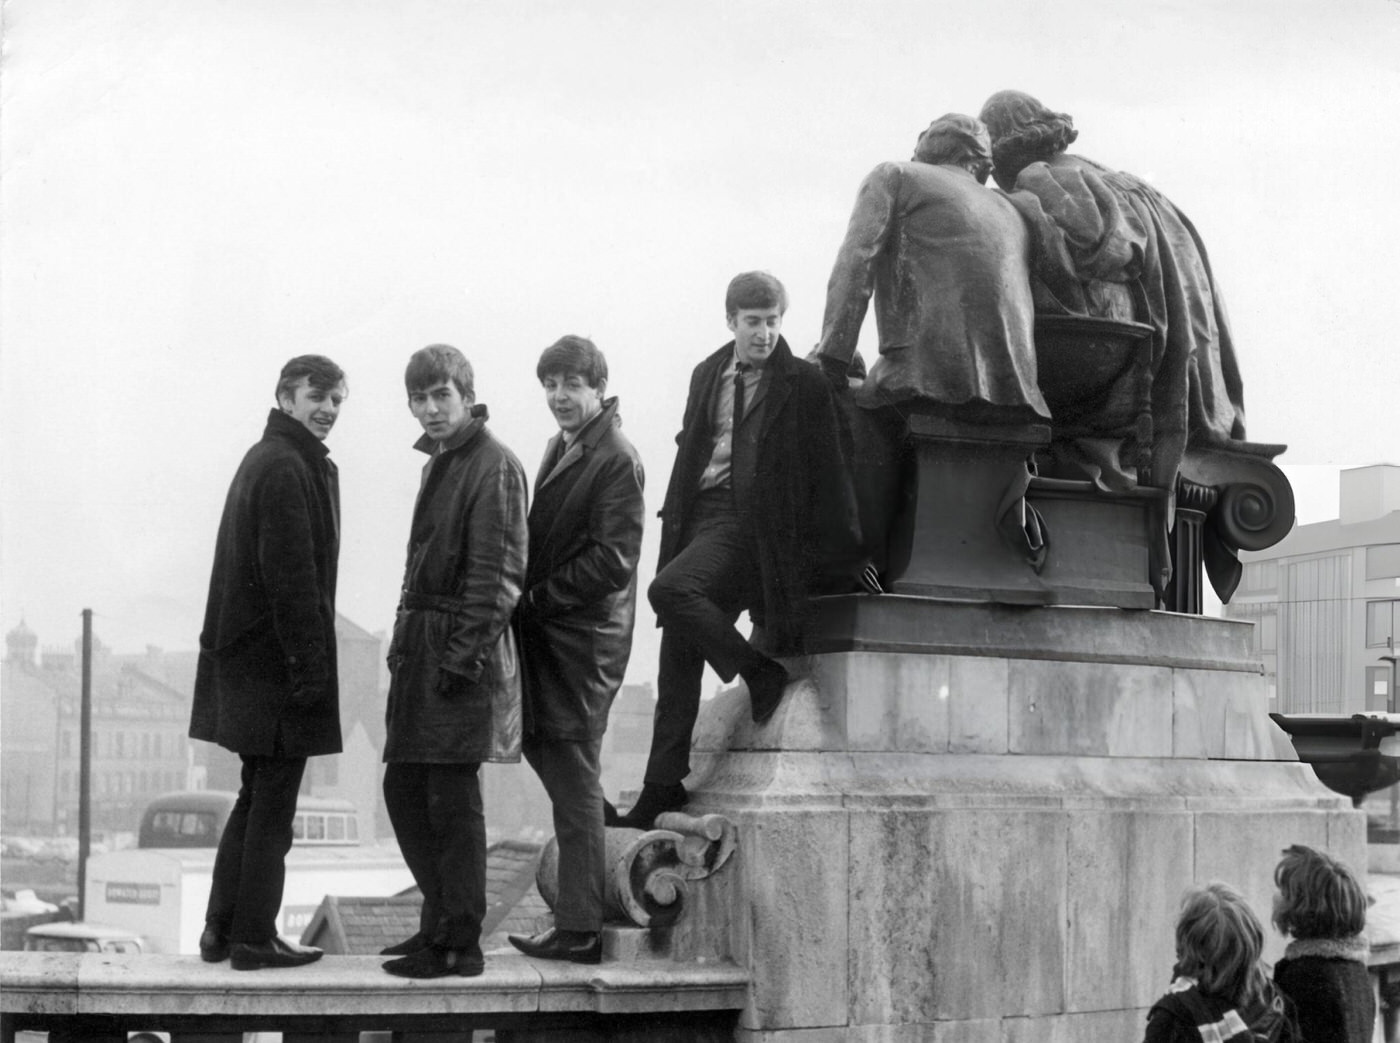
x,y
454,700
266,685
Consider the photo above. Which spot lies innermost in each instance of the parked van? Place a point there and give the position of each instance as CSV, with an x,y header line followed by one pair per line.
x,y
196,818
160,889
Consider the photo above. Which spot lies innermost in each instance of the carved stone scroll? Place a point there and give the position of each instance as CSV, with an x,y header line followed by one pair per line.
x,y
650,871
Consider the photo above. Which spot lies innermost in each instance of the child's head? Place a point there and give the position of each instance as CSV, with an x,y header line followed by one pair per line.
x,y
1218,942
1318,897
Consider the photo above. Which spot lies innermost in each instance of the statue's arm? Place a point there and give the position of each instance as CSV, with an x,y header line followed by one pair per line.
x,y
853,277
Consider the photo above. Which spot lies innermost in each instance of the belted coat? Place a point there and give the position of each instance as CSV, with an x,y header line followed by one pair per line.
x,y
266,680
575,619
466,565
799,501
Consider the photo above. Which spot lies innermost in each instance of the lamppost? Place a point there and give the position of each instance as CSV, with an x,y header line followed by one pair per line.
x,y
1392,659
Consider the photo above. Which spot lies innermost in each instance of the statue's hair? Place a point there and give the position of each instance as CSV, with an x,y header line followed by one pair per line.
x,y
319,371
1318,896
1218,942
437,364
1024,131
954,138
754,290
573,355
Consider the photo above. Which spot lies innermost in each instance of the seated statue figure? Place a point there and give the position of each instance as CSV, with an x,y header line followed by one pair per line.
x,y
948,263
1106,244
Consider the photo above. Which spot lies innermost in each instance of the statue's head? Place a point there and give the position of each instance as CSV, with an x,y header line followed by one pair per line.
x,y
1023,131
956,140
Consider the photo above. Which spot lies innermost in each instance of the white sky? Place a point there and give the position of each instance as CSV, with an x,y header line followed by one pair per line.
x,y
193,191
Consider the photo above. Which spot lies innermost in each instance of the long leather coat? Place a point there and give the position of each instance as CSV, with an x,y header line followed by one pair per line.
x,y
802,510
575,620
266,681
949,264
466,563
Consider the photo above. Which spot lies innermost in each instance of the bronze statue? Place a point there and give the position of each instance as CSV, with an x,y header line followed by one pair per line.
x,y
948,262
1108,245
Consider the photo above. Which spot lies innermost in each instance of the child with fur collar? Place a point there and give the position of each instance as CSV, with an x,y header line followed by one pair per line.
x,y
1323,970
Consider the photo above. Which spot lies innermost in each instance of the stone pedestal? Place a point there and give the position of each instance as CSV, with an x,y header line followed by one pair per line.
x,y
969,477
974,822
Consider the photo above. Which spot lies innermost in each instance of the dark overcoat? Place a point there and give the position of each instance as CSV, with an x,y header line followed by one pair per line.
x,y
575,620
466,564
801,510
266,681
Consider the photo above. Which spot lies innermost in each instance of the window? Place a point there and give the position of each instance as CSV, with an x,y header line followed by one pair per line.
x,y
1377,688
1381,620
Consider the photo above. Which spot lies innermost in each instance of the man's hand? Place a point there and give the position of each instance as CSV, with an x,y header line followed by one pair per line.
x,y
870,580
452,686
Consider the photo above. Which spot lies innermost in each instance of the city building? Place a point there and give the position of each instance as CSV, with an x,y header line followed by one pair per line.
x,y
1326,602
140,744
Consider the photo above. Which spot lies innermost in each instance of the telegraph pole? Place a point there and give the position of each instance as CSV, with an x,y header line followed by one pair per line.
x,y
85,766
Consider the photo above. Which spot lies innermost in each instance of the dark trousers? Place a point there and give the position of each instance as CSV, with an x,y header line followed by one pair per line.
x,y
698,597
569,771
250,867
438,820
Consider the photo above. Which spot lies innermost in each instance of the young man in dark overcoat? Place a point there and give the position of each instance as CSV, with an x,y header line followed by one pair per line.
x,y
575,624
759,514
266,685
454,698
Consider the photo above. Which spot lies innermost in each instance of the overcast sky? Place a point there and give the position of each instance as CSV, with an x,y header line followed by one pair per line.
x,y
194,191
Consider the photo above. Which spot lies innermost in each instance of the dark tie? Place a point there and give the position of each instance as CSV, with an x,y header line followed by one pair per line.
x,y
739,371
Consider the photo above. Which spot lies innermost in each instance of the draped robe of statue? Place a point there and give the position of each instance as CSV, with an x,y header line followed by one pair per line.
x,y
1108,245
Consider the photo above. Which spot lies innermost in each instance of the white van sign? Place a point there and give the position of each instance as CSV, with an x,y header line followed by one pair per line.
x,y
134,894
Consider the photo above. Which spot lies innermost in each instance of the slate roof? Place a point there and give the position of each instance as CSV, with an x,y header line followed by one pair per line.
x,y
361,926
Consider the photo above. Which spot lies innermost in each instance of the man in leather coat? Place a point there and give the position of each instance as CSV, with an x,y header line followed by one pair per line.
x,y
575,624
454,700
266,685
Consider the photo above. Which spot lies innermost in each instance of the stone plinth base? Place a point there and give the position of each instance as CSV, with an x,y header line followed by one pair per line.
x,y
969,477
975,823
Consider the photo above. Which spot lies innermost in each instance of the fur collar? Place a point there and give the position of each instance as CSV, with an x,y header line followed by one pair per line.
x,y
1354,947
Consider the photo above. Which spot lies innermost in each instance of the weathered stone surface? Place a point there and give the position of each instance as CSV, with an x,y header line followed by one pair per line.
x,y
1090,709
1093,1027
897,702
978,705
1223,715
944,903
855,623
795,877
1126,871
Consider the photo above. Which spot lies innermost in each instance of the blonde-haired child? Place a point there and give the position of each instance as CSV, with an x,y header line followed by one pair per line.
x,y
1220,992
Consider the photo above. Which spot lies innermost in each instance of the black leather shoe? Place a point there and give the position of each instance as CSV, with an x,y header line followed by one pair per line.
x,y
610,815
554,944
406,947
766,687
255,956
655,800
213,946
433,962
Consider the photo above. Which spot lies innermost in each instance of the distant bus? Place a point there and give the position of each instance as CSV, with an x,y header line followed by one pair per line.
x,y
161,887
195,818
